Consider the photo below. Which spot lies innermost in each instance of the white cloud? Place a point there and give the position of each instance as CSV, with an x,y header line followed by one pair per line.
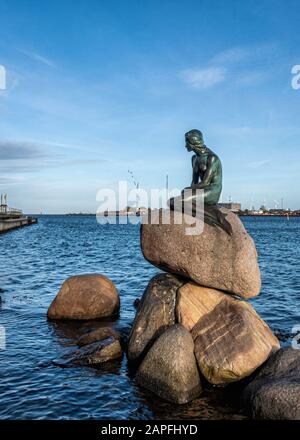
x,y
204,78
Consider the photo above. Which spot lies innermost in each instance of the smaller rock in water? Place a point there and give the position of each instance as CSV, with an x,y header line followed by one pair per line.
x,y
82,297
98,335
155,313
231,340
169,368
92,354
274,394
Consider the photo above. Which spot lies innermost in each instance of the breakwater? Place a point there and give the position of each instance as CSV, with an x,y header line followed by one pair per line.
x,y
9,223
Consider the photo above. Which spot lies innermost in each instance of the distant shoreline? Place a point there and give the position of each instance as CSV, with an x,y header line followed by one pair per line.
x,y
288,214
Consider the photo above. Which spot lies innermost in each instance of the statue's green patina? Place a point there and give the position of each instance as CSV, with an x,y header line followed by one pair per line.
x,y
207,177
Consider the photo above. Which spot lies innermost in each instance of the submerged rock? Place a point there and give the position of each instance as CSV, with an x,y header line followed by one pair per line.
x,y
275,392
136,303
212,258
169,368
92,354
231,340
155,313
98,335
89,296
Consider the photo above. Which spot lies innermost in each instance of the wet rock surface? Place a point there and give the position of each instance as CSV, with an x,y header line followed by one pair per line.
x,y
169,368
275,391
156,312
98,335
94,353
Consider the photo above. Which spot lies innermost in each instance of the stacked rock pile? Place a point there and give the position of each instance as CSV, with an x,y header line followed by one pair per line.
x,y
193,324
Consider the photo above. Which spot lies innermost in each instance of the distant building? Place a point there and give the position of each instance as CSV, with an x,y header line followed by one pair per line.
x,y
234,207
5,210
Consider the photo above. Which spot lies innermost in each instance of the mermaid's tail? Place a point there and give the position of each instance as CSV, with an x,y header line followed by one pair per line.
x,y
212,215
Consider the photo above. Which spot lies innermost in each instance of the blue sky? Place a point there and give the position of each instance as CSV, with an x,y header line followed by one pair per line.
x,y
95,88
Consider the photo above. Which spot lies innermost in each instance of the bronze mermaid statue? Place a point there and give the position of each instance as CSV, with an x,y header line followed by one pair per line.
x,y
207,177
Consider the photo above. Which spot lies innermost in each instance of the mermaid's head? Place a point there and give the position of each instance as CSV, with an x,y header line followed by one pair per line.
x,y
194,141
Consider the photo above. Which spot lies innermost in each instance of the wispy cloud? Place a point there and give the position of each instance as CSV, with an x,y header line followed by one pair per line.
x,y
257,55
11,180
16,150
242,66
27,157
259,164
251,78
233,55
38,58
204,78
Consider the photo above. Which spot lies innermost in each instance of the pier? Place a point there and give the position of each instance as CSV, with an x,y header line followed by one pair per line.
x,y
12,218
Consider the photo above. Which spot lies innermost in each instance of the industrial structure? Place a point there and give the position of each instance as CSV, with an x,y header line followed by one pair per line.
x,y
232,206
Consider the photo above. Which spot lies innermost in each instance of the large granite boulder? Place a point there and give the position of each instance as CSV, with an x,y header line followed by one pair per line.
x,y
156,312
89,296
231,340
275,392
169,368
194,302
212,258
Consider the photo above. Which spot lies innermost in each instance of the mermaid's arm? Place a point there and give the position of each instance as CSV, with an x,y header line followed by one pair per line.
x,y
206,181
195,178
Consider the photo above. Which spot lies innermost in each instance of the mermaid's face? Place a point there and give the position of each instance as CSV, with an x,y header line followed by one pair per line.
x,y
188,145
